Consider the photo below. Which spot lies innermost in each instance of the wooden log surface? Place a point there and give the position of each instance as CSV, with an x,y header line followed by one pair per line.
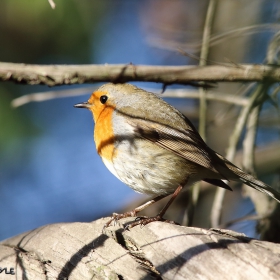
x,y
156,251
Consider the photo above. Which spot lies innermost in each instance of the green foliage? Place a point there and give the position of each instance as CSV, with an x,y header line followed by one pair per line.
x,y
31,30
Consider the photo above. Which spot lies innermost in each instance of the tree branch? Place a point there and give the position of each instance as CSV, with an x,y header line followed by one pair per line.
x,y
53,75
174,93
156,251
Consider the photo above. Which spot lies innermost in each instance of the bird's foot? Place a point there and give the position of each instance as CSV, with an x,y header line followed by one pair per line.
x,y
116,217
142,221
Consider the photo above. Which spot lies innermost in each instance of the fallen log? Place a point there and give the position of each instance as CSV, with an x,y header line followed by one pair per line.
x,y
156,251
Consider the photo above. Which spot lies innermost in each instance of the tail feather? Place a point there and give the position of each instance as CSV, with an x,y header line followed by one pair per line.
x,y
219,183
253,182
238,175
257,184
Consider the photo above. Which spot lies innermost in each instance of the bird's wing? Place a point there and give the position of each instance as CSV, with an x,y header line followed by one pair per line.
x,y
188,144
185,143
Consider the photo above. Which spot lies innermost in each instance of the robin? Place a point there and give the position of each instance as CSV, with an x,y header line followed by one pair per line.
x,y
154,148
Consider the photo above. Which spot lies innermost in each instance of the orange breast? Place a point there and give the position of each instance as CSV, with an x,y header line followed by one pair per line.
x,y
103,134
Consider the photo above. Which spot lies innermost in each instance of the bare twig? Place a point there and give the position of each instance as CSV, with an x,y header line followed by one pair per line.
x,y
241,121
261,205
261,201
52,75
215,39
202,95
51,2
202,62
249,140
48,95
215,96
174,93
252,217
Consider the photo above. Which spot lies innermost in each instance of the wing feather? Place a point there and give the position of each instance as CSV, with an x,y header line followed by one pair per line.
x,y
187,143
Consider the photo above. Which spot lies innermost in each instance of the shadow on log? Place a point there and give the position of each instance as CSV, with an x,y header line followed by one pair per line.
x,y
156,251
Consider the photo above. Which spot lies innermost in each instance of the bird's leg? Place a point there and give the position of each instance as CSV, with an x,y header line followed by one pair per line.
x,y
116,216
145,221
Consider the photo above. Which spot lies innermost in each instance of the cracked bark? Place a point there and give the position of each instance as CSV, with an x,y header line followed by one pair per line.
x,y
156,251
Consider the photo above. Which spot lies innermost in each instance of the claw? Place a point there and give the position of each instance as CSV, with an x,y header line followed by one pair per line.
x,y
141,218
143,221
126,228
116,217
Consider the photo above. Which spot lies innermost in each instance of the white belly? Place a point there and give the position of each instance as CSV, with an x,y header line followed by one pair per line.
x,y
149,170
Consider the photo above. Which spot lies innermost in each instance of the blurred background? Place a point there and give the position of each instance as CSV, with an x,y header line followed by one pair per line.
x,y
49,169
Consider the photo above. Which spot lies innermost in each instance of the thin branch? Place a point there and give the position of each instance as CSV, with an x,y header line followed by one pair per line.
x,y
48,95
214,96
252,217
173,93
52,75
249,140
202,96
222,115
241,121
51,2
215,39
268,228
202,62
248,161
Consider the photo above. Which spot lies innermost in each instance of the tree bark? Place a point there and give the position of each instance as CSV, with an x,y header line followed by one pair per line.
x,y
156,251
53,75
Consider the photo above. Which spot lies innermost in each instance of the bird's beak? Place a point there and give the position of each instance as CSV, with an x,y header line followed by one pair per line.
x,y
82,105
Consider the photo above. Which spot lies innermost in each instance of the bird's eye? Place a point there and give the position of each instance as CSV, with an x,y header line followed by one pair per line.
x,y
103,99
